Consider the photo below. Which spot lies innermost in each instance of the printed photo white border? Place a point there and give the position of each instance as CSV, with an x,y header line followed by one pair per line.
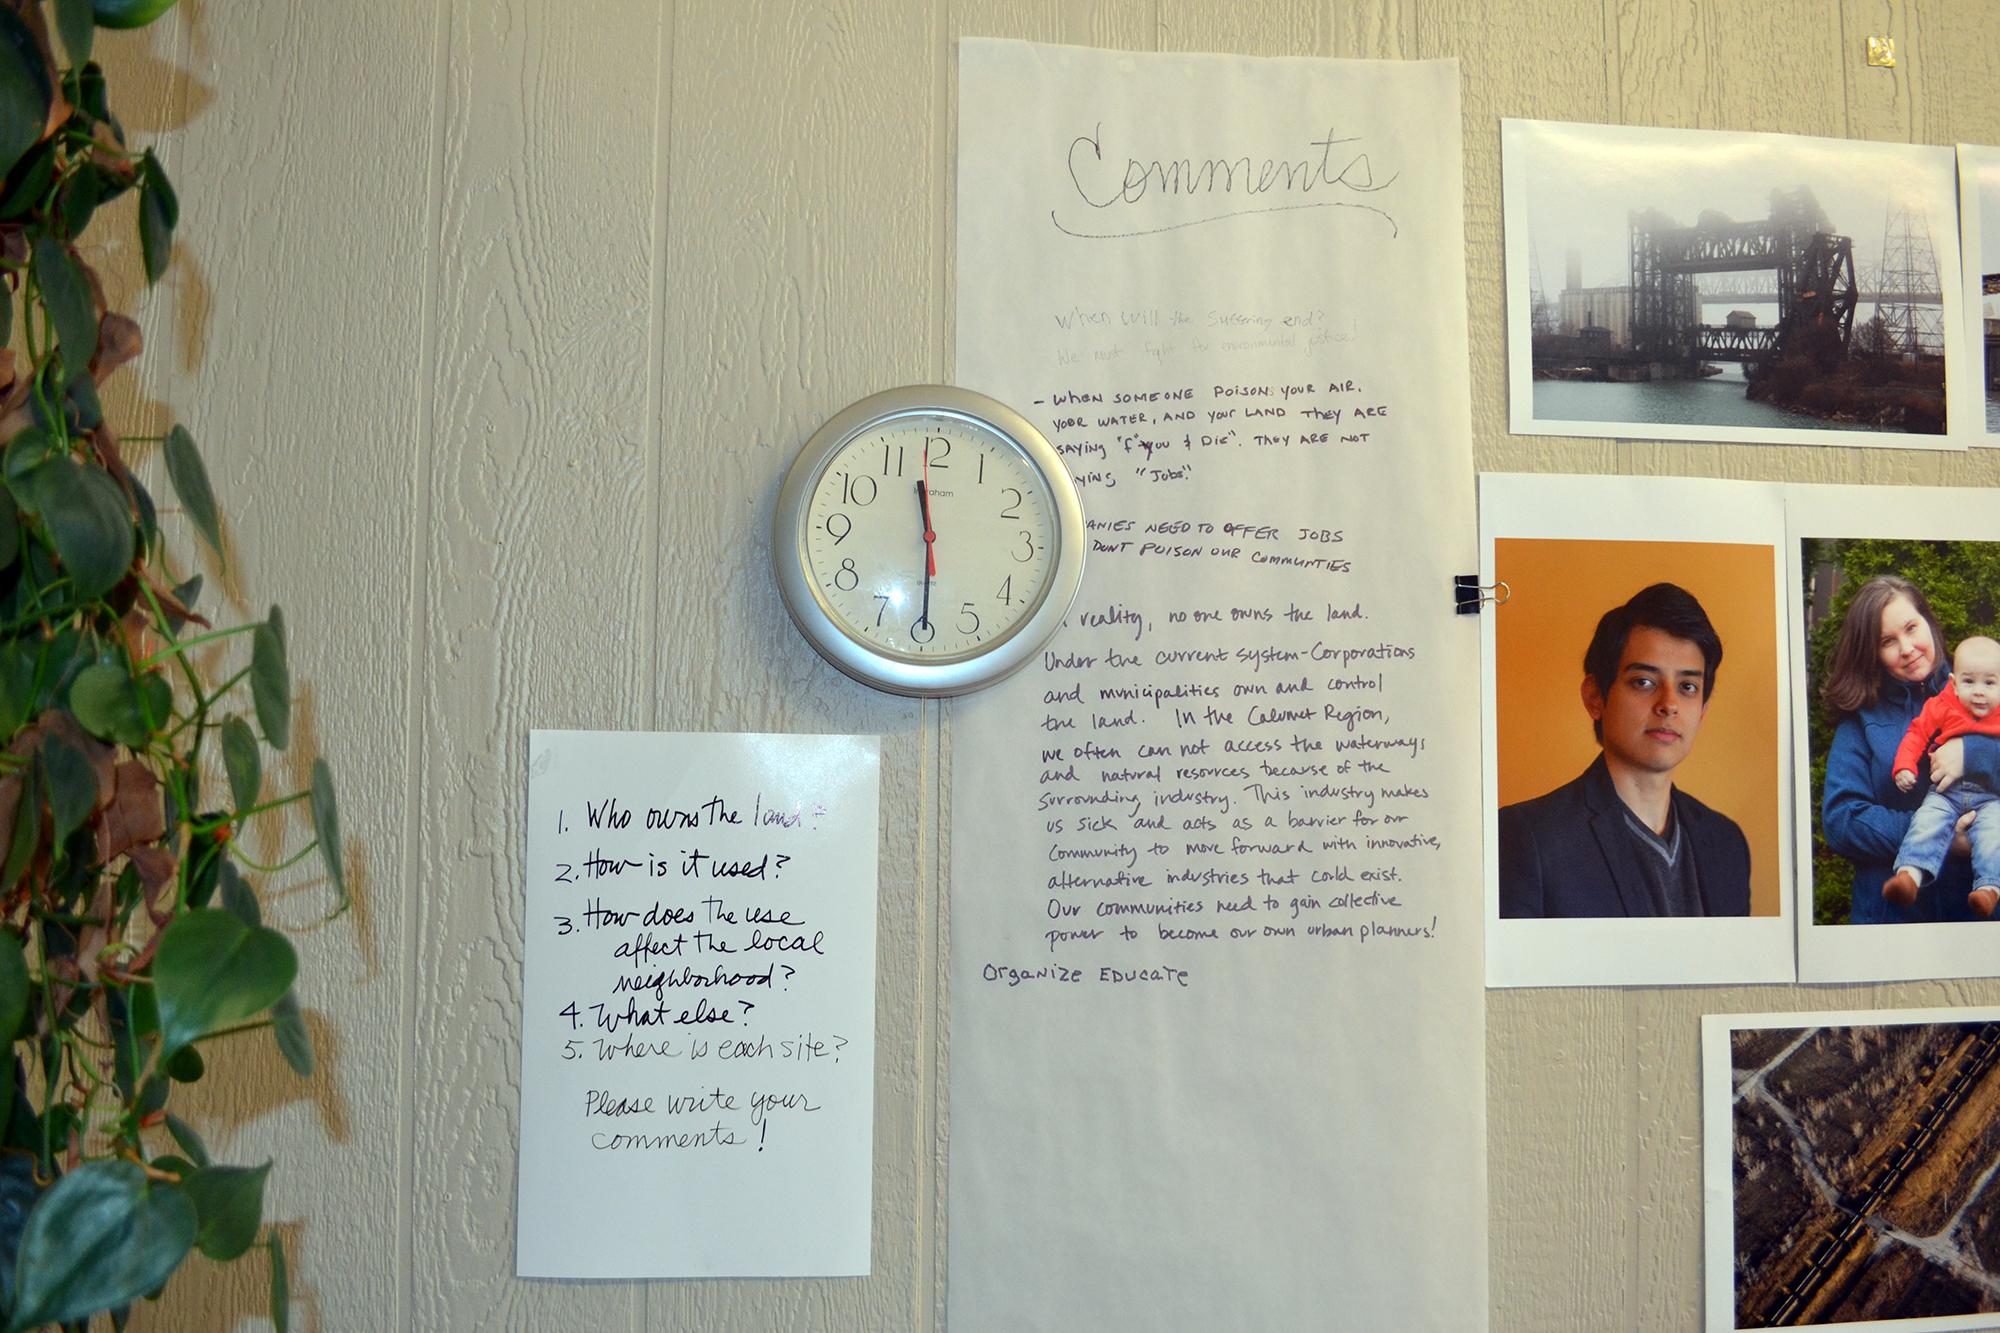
x,y
1718,1096
1614,951
1935,166
1903,951
1973,163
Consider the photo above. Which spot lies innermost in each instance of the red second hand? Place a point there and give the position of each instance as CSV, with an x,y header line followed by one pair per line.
x,y
930,537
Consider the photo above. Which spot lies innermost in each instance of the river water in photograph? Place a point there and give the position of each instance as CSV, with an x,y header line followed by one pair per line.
x,y
1993,414
1715,401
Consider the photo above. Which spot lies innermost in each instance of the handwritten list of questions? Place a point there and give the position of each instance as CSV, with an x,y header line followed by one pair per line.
x,y
1217,1020
697,1040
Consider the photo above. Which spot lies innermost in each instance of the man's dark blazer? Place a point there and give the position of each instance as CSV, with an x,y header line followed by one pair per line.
x,y
1569,854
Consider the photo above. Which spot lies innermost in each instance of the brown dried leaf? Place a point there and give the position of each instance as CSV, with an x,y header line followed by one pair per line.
x,y
133,816
156,867
10,806
104,443
90,940
118,341
135,627
114,161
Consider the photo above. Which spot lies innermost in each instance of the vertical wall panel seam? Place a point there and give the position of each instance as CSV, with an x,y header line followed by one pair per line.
x,y
944,152
416,668
926,1298
1607,30
1842,27
656,359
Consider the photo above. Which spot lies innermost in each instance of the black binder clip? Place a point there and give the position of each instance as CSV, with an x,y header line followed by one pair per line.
x,y
1468,594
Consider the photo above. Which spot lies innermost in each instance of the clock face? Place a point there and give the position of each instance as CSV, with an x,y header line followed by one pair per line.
x,y
928,540
988,518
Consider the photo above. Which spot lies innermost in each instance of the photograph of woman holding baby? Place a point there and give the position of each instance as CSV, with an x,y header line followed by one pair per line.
x,y
1905,752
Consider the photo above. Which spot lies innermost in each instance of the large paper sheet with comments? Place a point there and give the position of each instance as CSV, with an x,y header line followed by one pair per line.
x,y
1217,1021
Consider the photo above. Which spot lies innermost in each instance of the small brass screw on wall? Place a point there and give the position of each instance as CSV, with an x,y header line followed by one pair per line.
x,y
1882,52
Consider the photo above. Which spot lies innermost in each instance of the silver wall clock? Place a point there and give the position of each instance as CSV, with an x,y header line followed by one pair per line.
x,y
928,540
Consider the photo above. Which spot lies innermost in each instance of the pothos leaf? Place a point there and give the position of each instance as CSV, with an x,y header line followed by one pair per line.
x,y
90,95
18,1193
229,1203
25,90
72,786
101,1236
77,25
67,294
107,704
294,1039
30,176
13,989
190,478
128,13
159,213
281,1289
188,1140
242,762
212,970
237,896
271,681
326,821
89,521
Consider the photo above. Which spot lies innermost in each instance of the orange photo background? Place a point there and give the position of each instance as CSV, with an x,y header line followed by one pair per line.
x,y
1558,589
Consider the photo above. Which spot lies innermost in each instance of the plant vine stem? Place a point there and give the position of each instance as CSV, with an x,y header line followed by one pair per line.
x,y
251,1026
51,1069
180,646
267,806
285,864
187,667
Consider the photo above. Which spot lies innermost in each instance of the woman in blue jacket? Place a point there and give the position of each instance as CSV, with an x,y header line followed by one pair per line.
x,y
1888,660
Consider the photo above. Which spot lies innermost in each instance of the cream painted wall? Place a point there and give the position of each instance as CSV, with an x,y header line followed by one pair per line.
x,y
499,320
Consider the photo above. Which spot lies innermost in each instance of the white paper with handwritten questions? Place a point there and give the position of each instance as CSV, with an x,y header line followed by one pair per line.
x,y
1217,1022
698,1005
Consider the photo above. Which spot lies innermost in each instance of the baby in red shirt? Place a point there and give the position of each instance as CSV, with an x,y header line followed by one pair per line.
x,y
1971,705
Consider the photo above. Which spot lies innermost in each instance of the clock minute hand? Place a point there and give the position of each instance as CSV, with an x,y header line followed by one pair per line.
x,y
930,545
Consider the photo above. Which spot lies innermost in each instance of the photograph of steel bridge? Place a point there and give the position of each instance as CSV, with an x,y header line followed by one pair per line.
x,y
1689,284
1864,1161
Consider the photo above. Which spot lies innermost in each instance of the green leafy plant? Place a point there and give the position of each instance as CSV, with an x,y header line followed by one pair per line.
x,y
130,937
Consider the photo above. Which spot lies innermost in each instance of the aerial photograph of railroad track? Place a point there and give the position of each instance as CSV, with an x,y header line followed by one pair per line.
x,y
1865,1171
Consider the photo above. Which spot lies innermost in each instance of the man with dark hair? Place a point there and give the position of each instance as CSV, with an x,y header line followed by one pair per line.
x,y
1622,840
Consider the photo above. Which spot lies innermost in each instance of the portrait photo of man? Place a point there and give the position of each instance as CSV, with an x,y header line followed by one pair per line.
x,y
1623,838
1639,754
